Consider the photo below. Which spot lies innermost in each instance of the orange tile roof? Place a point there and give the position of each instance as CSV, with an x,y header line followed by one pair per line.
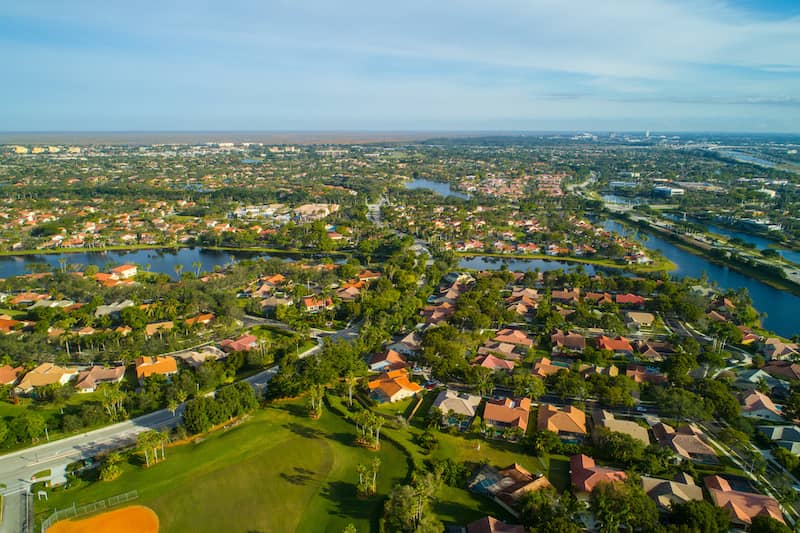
x,y
148,366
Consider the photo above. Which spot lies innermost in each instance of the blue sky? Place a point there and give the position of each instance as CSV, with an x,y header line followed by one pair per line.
x,y
663,65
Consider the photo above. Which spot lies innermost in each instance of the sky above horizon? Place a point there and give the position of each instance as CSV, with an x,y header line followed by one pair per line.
x,y
663,65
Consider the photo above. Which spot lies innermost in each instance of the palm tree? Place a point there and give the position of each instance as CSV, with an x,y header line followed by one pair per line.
x,y
178,268
197,266
351,380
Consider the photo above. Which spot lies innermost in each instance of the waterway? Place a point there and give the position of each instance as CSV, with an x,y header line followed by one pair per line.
x,y
759,242
782,308
440,188
161,261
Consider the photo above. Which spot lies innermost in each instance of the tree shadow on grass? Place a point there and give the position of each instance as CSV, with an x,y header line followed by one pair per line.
x,y
299,476
295,409
348,439
304,431
346,502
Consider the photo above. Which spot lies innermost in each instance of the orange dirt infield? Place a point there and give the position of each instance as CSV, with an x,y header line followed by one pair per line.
x,y
133,519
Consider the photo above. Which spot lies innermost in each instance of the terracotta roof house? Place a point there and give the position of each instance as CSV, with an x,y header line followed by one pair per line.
x,y
544,367
507,485
388,360
598,298
9,325
148,366
244,343
157,327
629,300
605,419
312,304
568,423
567,296
687,442
348,294
507,413
88,380
567,343
43,375
655,351
759,405
203,318
460,403
619,345
368,275
785,370
393,386
490,524
124,272
502,349
784,436
744,506
667,493
641,374
9,374
513,336
586,474
494,363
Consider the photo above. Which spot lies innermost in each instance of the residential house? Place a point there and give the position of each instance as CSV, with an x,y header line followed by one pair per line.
x,y
88,380
775,348
502,349
244,343
618,345
312,304
508,485
752,378
201,319
605,419
637,320
124,272
568,423
507,413
456,404
784,436
157,327
10,374
368,275
629,300
642,374
490,524
158,365
785,370
494,363
567,343
759,405
43,375
408,345
514,336
743,506
566,296
8,325
195,359
667,493
393,386
386,361
544,367
586,474
653,351
688,442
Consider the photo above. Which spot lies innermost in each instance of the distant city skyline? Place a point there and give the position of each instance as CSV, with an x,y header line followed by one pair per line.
x,y
535,65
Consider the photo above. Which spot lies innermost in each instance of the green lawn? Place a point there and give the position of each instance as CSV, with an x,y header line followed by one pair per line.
x,y
13,313
278,472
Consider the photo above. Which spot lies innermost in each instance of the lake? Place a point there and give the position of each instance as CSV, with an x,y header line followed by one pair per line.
x,y
440,188
162,261
483,262
782,308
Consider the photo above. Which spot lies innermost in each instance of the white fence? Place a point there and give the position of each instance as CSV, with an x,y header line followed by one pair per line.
x,y
73,512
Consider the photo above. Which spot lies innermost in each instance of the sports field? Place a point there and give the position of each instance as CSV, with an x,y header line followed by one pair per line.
x,y
278,472
133,519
